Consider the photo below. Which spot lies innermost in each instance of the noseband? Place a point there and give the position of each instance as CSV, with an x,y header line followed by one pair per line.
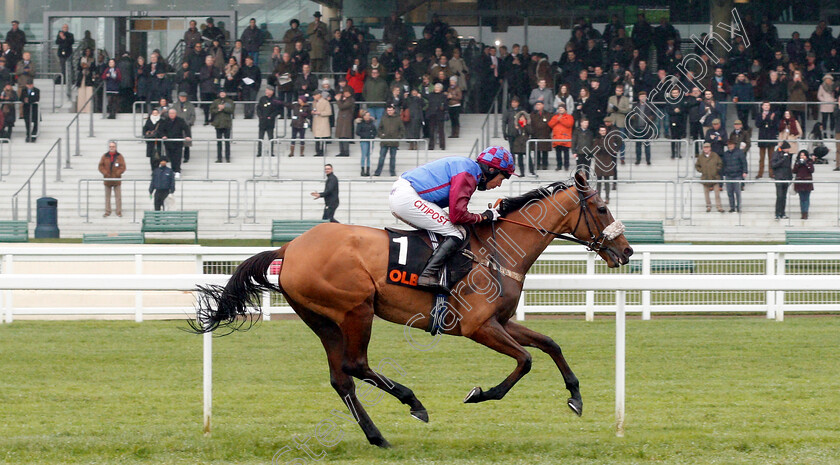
x,y
595,242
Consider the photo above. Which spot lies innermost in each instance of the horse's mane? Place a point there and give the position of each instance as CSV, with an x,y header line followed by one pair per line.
x,y
511,204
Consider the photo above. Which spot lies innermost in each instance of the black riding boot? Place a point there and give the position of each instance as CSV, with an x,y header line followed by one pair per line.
x,y
430,277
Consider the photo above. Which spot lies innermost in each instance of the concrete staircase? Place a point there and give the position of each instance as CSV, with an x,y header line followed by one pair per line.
x,y
239,199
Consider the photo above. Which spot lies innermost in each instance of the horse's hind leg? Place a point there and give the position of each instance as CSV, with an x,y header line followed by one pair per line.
x,y
531,338
494,336
333,341
356,329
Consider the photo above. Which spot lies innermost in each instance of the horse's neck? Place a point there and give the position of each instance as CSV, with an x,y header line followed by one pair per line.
x,y
518,246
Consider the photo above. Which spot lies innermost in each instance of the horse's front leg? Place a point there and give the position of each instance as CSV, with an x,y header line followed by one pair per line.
x,y
530,338
494,336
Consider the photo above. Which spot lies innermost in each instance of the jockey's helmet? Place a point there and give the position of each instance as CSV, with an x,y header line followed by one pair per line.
x,y
495,160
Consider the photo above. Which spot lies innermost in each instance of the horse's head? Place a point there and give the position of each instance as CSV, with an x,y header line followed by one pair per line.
x,y
593,224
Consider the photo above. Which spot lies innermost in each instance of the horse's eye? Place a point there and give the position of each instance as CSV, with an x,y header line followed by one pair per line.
x,y
602,209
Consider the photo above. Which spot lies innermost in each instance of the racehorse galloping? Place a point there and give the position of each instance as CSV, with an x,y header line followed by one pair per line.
x,y
334,277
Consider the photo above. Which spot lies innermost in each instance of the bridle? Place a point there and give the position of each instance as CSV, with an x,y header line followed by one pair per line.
x,y
595,242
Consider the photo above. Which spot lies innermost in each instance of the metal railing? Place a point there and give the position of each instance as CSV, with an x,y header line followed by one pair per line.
x,y
51,77
77,119
42,165
136,110
37,111
277,144
176,55
232,189
5,161
483,139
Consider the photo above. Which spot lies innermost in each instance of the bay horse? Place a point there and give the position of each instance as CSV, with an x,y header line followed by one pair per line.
x,y
334,277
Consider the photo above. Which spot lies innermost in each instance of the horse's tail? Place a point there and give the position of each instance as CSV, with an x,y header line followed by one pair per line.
x,y
227,306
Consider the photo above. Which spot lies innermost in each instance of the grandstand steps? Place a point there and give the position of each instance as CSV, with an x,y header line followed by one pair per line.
x,y
364,201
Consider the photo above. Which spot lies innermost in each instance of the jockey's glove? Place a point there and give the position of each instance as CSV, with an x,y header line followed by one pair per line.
x,y
491,214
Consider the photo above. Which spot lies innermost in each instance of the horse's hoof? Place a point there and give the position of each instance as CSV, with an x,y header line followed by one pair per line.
x,y
380,442
421,415
576,405
474,396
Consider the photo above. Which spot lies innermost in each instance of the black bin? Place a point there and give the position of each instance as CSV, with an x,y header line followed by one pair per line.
x,y
47,225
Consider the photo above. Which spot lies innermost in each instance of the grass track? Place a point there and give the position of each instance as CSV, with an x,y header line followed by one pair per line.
x,y
711,390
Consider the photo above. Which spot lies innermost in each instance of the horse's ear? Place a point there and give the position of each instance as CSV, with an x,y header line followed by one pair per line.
x,y
581,182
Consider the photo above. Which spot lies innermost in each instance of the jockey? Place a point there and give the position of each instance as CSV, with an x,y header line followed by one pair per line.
x,y
419,196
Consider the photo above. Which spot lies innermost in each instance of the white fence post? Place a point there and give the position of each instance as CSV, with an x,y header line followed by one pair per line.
x,y
590,295
780,295
770,270
208,380
619,362
7,269
520,307
138,295
646,293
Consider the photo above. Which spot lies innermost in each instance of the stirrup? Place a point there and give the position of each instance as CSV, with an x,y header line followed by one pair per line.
x,y
433,283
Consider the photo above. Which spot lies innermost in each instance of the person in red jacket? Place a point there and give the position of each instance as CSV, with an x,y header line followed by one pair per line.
x,y
561,125
356,79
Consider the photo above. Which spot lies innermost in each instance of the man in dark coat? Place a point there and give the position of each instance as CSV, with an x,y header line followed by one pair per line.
x,y
734,169
208,85
16,38
65,41
767,122
251,80
541,130
163,184
252,39
267,110
330,195
30,98
782,172
174,127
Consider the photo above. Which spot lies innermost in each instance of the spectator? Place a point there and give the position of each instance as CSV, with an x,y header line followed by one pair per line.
x,y
389,59
24,72
192,36
366,129
837,136
804,170
267,110
222,120
330,195
396,32
218,53
542,94
391,127
782,172
375,92
541,130
232,80
87,41
112,78
564,97
283,79
615,144
306,83
454,98
16,38
11,56
153,146
798,92
321,111
741,136
767,122
582,138
640,125
708,164
252,39
317,34
436,114
340,56
300,56
510,120
561,125
5,74
9,114
618,106
162,185
208,85
237,52
85,79
677,117
250,79
825,94
415,106
519,133
604,158
30,97
716,136
346,105
300,114
186,111
186,81
292,35
196,59
64,40
743,95
709,109
734,169
112,165
790,130
174,127
126,67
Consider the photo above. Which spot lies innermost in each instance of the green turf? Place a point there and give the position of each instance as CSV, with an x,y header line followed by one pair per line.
x,y
710,390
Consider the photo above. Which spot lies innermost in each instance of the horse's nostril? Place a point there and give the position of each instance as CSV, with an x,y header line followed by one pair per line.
x,y
628,251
